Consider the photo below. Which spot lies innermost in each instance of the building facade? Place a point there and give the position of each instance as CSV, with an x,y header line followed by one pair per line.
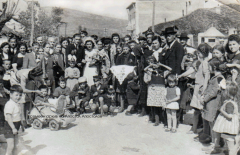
x,y
140,13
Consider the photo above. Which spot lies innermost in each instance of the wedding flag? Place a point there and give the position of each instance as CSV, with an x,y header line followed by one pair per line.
x,y
121,72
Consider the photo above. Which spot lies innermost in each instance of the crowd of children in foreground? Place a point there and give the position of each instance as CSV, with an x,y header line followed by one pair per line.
x,y
79,68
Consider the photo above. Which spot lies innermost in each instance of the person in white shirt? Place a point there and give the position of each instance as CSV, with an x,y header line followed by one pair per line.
x,y
13,118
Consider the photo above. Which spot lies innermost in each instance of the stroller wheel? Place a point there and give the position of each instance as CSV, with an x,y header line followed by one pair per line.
x,y
53,125
37,124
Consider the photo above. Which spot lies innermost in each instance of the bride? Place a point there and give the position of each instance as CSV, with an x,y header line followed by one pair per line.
x,y
90,68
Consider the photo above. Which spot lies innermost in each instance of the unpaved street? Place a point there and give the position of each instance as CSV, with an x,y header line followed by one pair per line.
x,y
120,135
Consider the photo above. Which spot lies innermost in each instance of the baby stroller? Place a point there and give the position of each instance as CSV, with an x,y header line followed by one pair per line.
x,y
56,117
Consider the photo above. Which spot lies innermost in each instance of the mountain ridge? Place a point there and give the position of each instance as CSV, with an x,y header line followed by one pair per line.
x,y
94,23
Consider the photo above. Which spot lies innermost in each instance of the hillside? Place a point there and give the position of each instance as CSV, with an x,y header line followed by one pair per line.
x,y
202,19
95,24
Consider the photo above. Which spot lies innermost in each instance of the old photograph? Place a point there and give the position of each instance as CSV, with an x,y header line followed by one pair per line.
x,y
119,77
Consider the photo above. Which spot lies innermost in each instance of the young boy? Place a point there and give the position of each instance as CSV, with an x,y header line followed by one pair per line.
x,y
132,93
81,94
108,102
42,100
13,113
62,90
97,90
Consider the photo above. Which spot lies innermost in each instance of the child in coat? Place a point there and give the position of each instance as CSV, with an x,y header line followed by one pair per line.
x,y
97,91
81,95
108,102
62,90
211,99
72,73
132,93
173,95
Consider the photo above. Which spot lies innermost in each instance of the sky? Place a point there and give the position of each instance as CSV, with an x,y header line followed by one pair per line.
x,y
112,8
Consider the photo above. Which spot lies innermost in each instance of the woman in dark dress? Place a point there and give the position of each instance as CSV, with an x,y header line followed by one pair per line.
x,y
18,58
48,67
64,42
4,55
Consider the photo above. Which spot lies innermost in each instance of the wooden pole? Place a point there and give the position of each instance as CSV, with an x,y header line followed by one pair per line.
x,y
65,29
153,17
32,22
186,9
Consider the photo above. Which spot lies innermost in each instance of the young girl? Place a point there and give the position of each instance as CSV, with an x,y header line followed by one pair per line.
x,y
227,122
173,95
13,116
72,74
156,87
201,80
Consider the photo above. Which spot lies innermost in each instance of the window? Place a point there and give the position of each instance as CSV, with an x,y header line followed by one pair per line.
x,y
4,4
211,40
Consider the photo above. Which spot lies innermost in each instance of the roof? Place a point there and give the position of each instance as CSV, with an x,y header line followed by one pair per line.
x,y
213,32
133,3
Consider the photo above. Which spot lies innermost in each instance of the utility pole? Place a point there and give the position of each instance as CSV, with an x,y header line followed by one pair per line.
x,y
32,22
186,8
105,32
153,17
65,29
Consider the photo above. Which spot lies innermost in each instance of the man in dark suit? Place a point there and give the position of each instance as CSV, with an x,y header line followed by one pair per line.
x,y
175,53
183,40
80,52
13,46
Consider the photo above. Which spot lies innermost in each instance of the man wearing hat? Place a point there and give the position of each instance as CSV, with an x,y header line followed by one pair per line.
x,y
174,55
149,36
80,52
183,40
142,40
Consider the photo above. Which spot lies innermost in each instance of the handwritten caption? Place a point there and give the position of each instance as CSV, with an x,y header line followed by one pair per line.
x,y
65,116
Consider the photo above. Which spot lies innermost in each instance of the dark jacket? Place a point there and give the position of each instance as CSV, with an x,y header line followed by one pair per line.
x,y
84,96
101,92
126,59
173,57
212,98
132,92
80,54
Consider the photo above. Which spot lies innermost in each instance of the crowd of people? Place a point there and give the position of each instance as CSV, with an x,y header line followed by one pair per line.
x,y
169,78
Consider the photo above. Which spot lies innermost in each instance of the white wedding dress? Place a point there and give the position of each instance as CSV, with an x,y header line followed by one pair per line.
x,y
89,72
